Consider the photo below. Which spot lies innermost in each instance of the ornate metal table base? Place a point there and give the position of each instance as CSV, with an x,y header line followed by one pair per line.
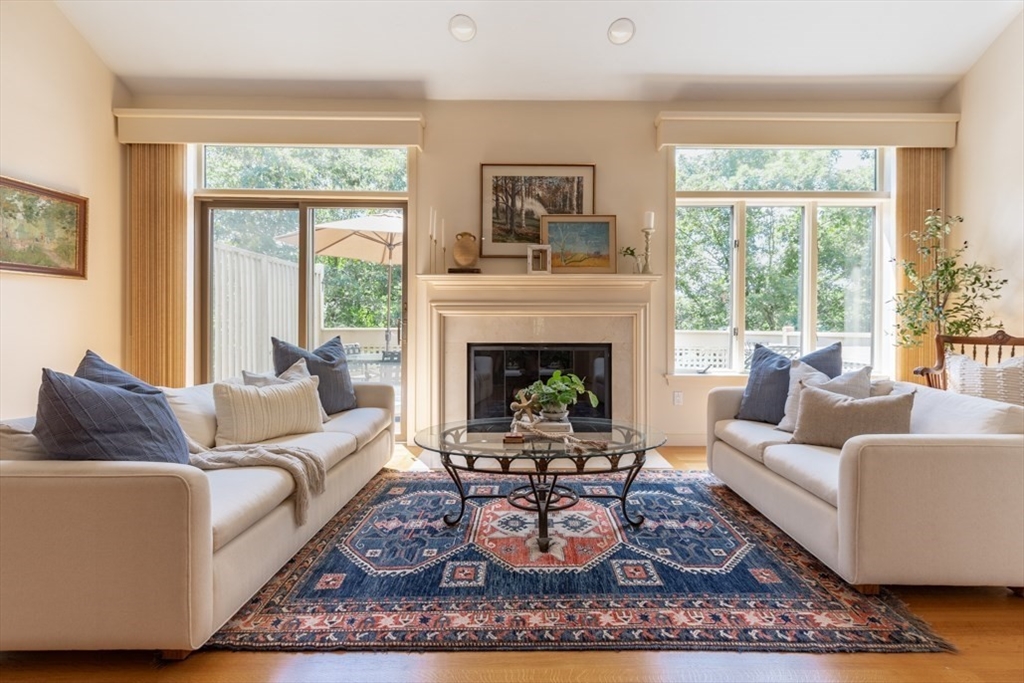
x,y
544,495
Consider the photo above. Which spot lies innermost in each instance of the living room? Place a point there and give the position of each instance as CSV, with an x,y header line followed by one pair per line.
x,y
63,119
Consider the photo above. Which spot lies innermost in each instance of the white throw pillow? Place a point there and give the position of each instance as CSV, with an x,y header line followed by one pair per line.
x,y
298,370
1003,382
196,412
17,442
855,384
254,414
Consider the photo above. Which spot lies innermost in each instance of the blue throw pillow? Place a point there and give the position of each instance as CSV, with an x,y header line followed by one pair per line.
x,y
329,364
98,370
764,399
104,413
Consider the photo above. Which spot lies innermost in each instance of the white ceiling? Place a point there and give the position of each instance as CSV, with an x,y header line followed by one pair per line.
x,y
542,50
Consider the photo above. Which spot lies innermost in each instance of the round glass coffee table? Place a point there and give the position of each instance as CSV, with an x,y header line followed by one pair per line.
x,y
594,447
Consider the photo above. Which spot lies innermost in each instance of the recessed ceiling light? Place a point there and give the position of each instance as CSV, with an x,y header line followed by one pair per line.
x,y
621,31
462,28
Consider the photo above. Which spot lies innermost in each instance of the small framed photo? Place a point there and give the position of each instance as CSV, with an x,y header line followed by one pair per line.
x,y
538,259
514,198
41,230
580,244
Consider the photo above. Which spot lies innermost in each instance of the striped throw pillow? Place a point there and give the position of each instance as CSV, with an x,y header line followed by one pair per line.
x,y
1003,382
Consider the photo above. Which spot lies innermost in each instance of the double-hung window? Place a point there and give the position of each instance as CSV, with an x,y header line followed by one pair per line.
x,y
780,247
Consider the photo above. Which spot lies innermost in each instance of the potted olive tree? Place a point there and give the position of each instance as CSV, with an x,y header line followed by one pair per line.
x,y
949,294
557,393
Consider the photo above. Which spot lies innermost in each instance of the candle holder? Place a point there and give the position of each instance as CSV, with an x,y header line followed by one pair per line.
x,y
646,270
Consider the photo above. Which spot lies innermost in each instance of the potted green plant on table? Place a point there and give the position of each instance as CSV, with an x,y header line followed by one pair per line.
x,y
949,294
557,393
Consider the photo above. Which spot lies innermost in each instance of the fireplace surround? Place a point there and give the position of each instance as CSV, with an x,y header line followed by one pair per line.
x,y
529,309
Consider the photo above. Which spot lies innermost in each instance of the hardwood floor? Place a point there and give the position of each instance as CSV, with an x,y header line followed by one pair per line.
x,y
985,624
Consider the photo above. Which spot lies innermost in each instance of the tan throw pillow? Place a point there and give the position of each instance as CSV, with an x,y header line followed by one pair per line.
x,y
254,414
1003,382
297,371
828,419
855,384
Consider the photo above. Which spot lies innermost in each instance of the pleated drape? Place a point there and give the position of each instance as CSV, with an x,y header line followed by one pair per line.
x,y
920,185
157,262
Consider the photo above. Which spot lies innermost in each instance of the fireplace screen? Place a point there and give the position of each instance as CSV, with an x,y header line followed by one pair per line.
x,y
498,371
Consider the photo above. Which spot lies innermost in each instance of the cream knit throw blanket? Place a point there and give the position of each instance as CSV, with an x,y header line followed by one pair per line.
x,y
306,468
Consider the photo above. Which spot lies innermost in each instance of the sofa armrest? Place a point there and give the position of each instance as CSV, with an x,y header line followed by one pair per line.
x,y
375,395
104,555
932,509
723,404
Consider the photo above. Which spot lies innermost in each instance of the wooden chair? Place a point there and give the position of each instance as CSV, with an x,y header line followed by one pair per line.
x,y
936,375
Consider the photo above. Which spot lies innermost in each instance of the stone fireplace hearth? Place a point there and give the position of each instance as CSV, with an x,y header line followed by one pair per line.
x,y
524,309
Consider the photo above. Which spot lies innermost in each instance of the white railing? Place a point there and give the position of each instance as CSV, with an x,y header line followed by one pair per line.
x,y
695,350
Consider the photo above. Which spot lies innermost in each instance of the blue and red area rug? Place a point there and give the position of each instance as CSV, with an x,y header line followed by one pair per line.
x,y
704,572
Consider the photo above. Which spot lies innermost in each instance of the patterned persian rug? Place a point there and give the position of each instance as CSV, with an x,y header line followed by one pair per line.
x,y
704,572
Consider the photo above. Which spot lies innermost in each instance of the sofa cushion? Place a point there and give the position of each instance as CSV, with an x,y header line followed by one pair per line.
x,y
362,423
327,362
750,438
828,419
17,442
297,371
813,468
855,384
945,412
80,418
196,412
254,414
242,496
764,398
330,447
1002,382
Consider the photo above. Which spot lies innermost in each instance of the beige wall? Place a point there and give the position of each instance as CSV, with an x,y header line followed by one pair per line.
x,y
632,177
986,168
619,137
56,130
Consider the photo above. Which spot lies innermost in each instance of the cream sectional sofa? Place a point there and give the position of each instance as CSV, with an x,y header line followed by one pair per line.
x,y
130,555
943,505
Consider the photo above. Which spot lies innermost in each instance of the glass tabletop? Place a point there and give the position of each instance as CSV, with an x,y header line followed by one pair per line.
x,y
596,437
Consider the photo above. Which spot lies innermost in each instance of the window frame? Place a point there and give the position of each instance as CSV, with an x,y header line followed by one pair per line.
x,y
810,201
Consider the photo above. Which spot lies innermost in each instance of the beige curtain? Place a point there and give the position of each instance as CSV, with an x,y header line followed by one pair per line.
x,y
920,185
157,261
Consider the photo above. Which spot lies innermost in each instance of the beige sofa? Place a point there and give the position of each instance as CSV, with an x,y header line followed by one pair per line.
x,y
943,505
128,555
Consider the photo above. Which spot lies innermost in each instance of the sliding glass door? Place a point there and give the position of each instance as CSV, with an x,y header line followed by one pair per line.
x,y
256,285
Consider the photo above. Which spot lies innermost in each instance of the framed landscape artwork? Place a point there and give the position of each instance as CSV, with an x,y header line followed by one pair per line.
x,y
41,230
514,199
580,244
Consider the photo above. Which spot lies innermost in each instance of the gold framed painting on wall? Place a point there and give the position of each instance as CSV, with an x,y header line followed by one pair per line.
x,y
580,244
42,230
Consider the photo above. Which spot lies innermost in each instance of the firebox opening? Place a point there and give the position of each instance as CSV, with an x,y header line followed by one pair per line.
x,y
498,371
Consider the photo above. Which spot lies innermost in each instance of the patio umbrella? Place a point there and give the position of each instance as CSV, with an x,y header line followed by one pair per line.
x,y
376,238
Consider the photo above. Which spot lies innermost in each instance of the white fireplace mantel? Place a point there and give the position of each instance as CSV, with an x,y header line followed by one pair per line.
x,y
475,308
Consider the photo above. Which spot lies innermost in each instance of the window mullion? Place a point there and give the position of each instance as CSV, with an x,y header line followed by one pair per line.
x,y
809,280
739,308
